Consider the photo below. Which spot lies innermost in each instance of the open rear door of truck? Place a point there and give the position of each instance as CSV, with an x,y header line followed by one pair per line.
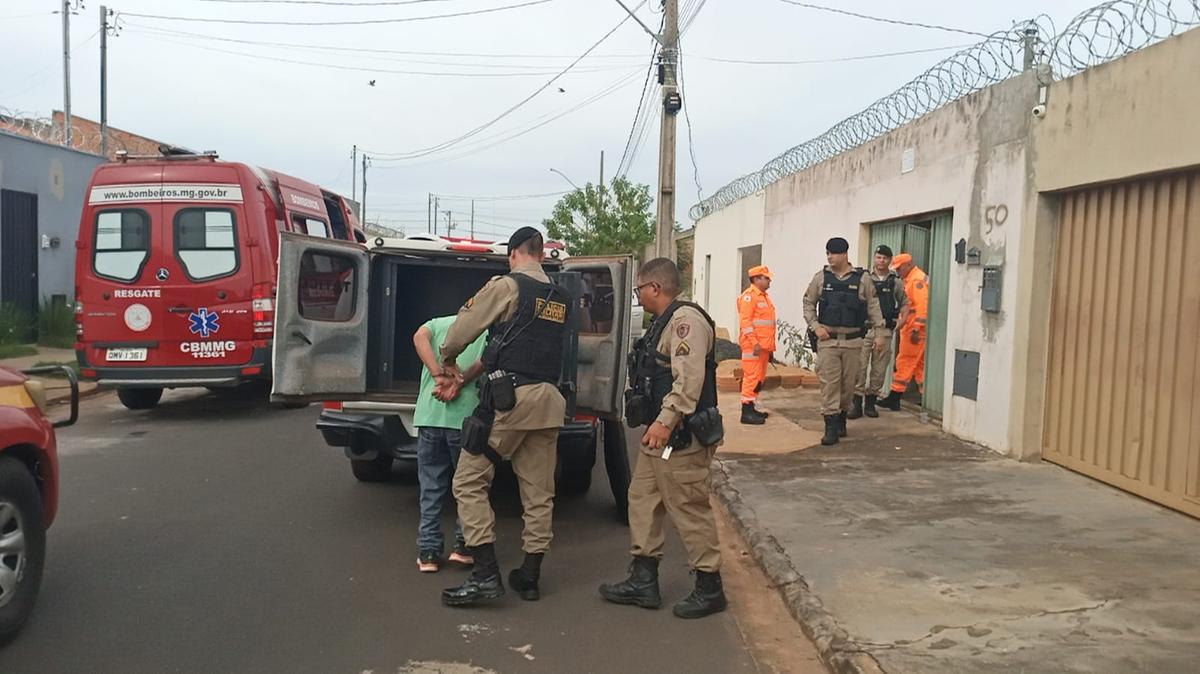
x,y
320,320
604,339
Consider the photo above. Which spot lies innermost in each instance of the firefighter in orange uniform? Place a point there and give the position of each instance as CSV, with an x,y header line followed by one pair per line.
x,y
756,336
910,362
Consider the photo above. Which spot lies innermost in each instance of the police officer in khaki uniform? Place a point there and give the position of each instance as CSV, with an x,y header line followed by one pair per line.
x,y
841,310
520,413
673,391
893,304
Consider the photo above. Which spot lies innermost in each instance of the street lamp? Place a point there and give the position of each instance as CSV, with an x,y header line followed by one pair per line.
x,y
564,177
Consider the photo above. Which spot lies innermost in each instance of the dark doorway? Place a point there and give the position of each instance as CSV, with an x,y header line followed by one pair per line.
x,y
19,257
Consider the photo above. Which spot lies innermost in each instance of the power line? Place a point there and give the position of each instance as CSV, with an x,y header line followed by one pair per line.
x,y
688,118
643,101
842,59
507,197
454,141
37,74
328,3
879,19
357,22
365,69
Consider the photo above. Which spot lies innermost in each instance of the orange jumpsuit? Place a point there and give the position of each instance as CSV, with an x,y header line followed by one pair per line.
x,y
756,327
910,362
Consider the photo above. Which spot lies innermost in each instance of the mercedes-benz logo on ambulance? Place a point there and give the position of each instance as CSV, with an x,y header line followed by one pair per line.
x,y
162,274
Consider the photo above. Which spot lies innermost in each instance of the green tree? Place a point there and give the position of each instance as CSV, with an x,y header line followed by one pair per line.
x,y
598,220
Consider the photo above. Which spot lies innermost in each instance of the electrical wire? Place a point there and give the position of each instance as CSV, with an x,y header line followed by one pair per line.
x,y
327,3
366,69
506,197
641,112
486,125
842,59
356,22
688,118
895,22
35,77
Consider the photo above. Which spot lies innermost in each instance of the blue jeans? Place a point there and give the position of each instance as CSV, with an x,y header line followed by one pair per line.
x,y
437,457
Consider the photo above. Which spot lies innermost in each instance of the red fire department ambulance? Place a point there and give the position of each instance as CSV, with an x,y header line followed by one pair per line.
x,y
176,265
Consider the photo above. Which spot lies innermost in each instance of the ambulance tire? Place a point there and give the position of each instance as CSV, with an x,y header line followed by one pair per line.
x,y
19,492
378,469
575,481
616,464
139,398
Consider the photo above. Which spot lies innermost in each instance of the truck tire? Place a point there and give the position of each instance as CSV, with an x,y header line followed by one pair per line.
x,y
23,541
616,464
378,469
139,398
573,481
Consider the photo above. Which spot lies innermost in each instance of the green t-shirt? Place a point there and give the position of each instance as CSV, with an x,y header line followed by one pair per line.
x,y
433,413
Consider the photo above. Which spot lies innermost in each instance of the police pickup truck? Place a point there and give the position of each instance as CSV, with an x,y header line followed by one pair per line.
x,y
345,316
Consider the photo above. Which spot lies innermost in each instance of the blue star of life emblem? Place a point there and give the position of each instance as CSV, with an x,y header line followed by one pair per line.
x,y
203,322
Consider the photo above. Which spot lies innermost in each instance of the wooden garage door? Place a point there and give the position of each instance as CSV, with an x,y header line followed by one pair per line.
x,y
1125,338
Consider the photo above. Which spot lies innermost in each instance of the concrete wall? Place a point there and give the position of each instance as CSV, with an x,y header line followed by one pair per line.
x,y
58,177
1131,117
721,235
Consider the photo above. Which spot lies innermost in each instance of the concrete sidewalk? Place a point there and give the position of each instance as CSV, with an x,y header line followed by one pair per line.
x,y
904,550
56,388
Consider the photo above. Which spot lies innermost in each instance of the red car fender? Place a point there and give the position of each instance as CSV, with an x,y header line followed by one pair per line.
x,y
23,429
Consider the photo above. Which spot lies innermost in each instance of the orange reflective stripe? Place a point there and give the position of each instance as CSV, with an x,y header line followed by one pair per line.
x,y
15,396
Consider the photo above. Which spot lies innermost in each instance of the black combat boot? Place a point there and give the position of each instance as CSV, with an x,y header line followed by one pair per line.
x,y
639,589
891,402
841,424
708,597
484,582
869,407
831,430
751,415
856,408
524,579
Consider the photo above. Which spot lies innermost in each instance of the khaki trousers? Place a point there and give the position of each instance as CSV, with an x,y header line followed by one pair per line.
x,y
837,369
678,487
533,454
873,367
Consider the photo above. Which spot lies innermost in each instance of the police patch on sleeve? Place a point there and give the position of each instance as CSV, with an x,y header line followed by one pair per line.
x,y
682,330
920,285
747,298
683,349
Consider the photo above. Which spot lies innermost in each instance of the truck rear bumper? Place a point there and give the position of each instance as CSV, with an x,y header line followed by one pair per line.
x,y
258,368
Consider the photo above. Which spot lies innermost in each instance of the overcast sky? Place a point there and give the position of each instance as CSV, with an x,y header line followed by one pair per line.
x,y
303,118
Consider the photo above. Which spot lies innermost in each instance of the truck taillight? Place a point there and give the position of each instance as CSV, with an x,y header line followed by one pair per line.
x,y
79,319
334,405
263,308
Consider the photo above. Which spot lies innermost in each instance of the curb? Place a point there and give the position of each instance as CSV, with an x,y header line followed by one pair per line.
x,y
837,651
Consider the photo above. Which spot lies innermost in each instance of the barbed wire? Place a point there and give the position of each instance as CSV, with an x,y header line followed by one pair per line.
x,y
1098,35
46,130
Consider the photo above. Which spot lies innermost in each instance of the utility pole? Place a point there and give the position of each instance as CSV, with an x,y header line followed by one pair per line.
x,y
472,219
354,174
601,180
449,223
103,81
363,207
429,212
672,103
436,206
66,26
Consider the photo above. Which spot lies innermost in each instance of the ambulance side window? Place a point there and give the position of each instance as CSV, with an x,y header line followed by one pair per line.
x,y
597,315
122,244
310,226
327,286
206,242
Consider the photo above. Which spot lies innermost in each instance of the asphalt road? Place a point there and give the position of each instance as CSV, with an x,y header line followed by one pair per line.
x,y
219,535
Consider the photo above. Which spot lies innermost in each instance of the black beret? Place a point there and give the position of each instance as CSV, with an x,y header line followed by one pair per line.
x,y
837,245
885,251
521,236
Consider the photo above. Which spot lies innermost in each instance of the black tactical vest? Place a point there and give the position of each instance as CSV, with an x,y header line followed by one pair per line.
x,y
656,367
885,290
530,344
840,306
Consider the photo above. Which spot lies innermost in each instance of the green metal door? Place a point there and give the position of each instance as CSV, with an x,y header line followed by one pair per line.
x,y
916,243
890,234
940,251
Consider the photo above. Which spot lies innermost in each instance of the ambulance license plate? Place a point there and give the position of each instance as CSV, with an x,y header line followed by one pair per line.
x,y
126,355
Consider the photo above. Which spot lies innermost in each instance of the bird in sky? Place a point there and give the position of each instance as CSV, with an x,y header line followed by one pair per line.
x,y
372,83
561,90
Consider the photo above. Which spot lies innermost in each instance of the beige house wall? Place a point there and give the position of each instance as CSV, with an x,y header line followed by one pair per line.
x,y
721,235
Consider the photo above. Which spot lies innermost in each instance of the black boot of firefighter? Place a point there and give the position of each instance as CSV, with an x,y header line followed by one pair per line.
x,y
831,430
708,597
751,415
856,408
484,582
869,407
639,589
524,579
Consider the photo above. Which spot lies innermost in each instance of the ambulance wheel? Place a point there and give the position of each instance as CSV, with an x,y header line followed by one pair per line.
x,y
575,481
378,469
23,531
139,398
616,463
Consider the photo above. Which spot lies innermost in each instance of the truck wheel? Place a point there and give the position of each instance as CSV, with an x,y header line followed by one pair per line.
x,y
22,546
575,481
616,463
139,398
378,469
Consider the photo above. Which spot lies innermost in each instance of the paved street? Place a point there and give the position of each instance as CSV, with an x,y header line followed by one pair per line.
x,y
212,535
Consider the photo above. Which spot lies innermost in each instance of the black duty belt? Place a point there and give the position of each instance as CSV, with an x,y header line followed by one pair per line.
x,y
848,335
